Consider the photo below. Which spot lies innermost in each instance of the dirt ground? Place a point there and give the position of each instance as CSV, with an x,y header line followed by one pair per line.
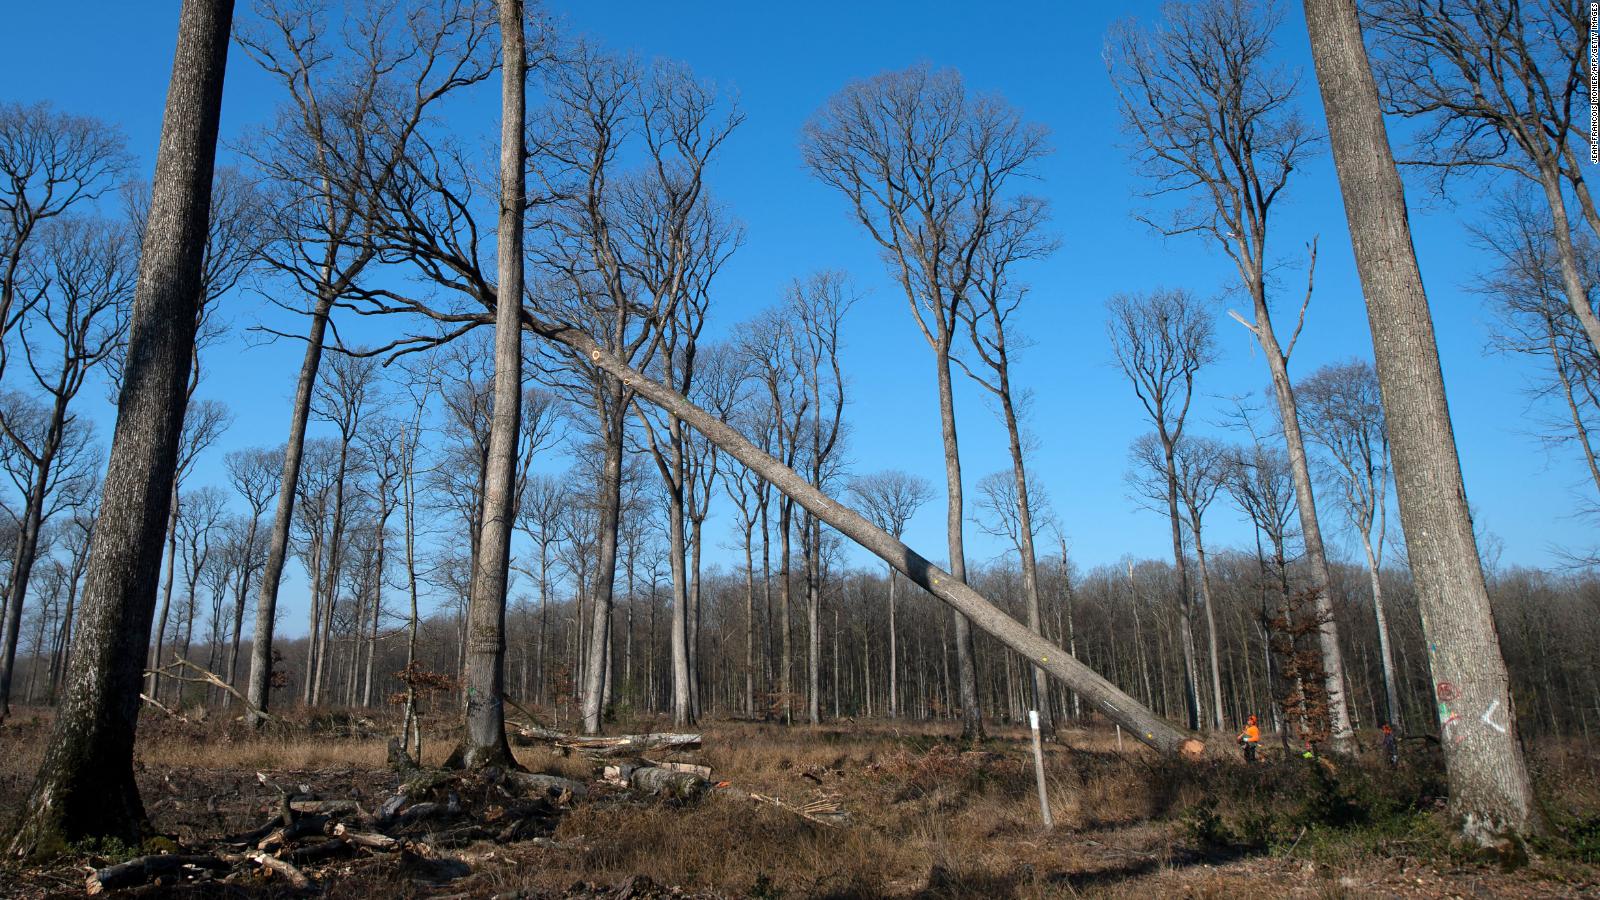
x,y
903,811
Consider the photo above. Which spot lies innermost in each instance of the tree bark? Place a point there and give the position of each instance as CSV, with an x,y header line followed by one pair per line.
x,y
484,742
1490,794
85,786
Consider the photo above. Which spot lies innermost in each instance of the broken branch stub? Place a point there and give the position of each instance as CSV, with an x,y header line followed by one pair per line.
x,y
1105,696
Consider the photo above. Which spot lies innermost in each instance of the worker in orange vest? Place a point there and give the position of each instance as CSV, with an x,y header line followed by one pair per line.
x,y
1249,739
1391,746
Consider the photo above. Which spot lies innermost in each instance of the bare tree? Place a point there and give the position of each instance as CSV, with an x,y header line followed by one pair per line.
x,y
634,252
539,517
50,162
751,497
818,305
1162,340
253,473
1213,120
484,739
772,354
203,423
198,524
1004,514
79,535
85,787
889,499
1344,413
1500,87
384,458
354,106
1201,465
79,281
1534,318
346,392
928,171
995,298
1490,794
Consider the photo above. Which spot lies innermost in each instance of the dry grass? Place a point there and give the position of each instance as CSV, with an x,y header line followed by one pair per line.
x,y
929,816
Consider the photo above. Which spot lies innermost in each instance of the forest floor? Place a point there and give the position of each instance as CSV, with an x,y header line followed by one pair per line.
x,y
919,814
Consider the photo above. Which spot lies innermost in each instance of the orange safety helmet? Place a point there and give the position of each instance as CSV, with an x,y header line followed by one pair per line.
x,y
1252,720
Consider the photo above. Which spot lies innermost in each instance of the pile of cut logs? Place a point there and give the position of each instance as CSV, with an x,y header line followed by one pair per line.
x,y
434,810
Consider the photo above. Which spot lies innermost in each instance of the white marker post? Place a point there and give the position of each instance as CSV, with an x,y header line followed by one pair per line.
x,y
1038,768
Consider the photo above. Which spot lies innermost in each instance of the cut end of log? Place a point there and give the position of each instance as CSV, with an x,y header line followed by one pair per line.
x,y
1192,748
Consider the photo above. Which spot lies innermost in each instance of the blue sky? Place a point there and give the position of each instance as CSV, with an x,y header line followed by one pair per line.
x,y
783,60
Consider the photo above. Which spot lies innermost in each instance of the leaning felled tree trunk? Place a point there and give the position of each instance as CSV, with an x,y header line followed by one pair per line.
x,y
1489,788
1111,701
484,742
85,786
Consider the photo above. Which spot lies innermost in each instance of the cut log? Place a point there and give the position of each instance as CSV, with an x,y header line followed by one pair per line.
x,y
331,847
146,869
303,826
369,839
608,746
658,782
689,768
328,807
553,786
288,870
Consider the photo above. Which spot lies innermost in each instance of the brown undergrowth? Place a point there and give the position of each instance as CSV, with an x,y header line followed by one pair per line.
x,y
924,815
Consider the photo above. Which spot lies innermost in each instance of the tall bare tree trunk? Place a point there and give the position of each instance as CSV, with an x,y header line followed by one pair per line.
x,y
1191,670
809,552
241,594
894,651
682,707
85,786
1211,630
749,621
605,574
21,571
260,688
484,742
785,594
330,590
966,664
154,687
1310,530
1391,687
1490,794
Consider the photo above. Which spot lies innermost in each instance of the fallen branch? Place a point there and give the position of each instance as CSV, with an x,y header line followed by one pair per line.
x,y
809,811
206,676
146,869
157,704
